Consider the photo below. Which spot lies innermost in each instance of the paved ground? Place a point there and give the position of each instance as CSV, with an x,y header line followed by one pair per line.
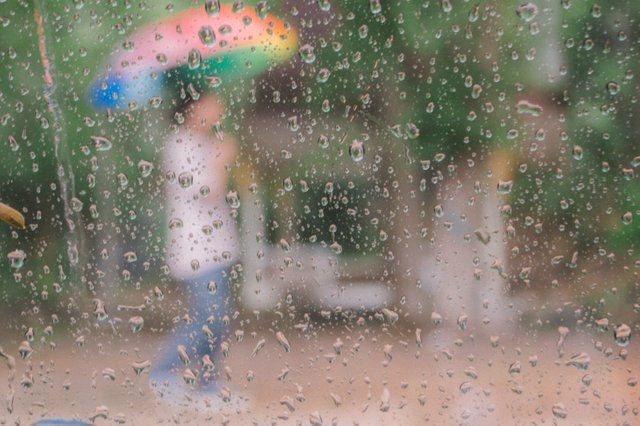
x,y
444,382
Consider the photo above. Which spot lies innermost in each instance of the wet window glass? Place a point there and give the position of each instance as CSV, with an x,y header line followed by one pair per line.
x,y
319,212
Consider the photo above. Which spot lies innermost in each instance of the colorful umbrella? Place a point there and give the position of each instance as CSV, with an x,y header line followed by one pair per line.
x,y
207,43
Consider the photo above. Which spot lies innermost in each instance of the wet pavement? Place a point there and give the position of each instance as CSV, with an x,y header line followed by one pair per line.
x,y
348,375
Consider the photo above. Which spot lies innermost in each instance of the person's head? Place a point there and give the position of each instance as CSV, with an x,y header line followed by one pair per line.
x,y
202,113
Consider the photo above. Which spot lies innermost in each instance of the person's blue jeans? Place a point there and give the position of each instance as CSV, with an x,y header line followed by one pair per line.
x,y
207,307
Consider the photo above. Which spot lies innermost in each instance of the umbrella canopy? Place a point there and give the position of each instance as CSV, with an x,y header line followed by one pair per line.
x,y
202,43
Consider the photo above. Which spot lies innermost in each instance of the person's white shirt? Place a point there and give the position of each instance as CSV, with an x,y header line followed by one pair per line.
x,y
201,234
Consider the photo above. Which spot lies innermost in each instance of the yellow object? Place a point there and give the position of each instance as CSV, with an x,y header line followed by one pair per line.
x,y
12,216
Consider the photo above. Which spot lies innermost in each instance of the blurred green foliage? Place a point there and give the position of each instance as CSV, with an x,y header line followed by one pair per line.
x,y
413,65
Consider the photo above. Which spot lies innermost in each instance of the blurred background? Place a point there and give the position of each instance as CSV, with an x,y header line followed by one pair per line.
x,y
494,211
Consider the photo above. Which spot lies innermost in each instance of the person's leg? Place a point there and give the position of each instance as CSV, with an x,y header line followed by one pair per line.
x,y
195,342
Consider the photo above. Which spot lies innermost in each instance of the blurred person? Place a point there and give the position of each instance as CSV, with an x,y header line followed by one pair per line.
x,y
201,250
202,243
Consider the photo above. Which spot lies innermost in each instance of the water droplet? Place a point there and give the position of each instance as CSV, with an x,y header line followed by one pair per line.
x,y
324,5
559,411
613,88
323,75
462,321
136,323
109,374
25,350
581,361
99,310
13,143
185,179
476,90
123,181
145,168
363,31
526,107
390,316
284,245
16,259
101,143
602,325
622,335
284,342
471,372
233,200
483,236
130,257
385,399
182,354
412,131
465,387
188,376
315,419
194,59
323,141
213,81
162,58
287,184
307,54
527,11
474,14
207,37
258,347
207,364
139,367
337,399
292,123
175,223
505,187
155,102
446,6
212,7
238,6
577,152
356,150
262,8
29,335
